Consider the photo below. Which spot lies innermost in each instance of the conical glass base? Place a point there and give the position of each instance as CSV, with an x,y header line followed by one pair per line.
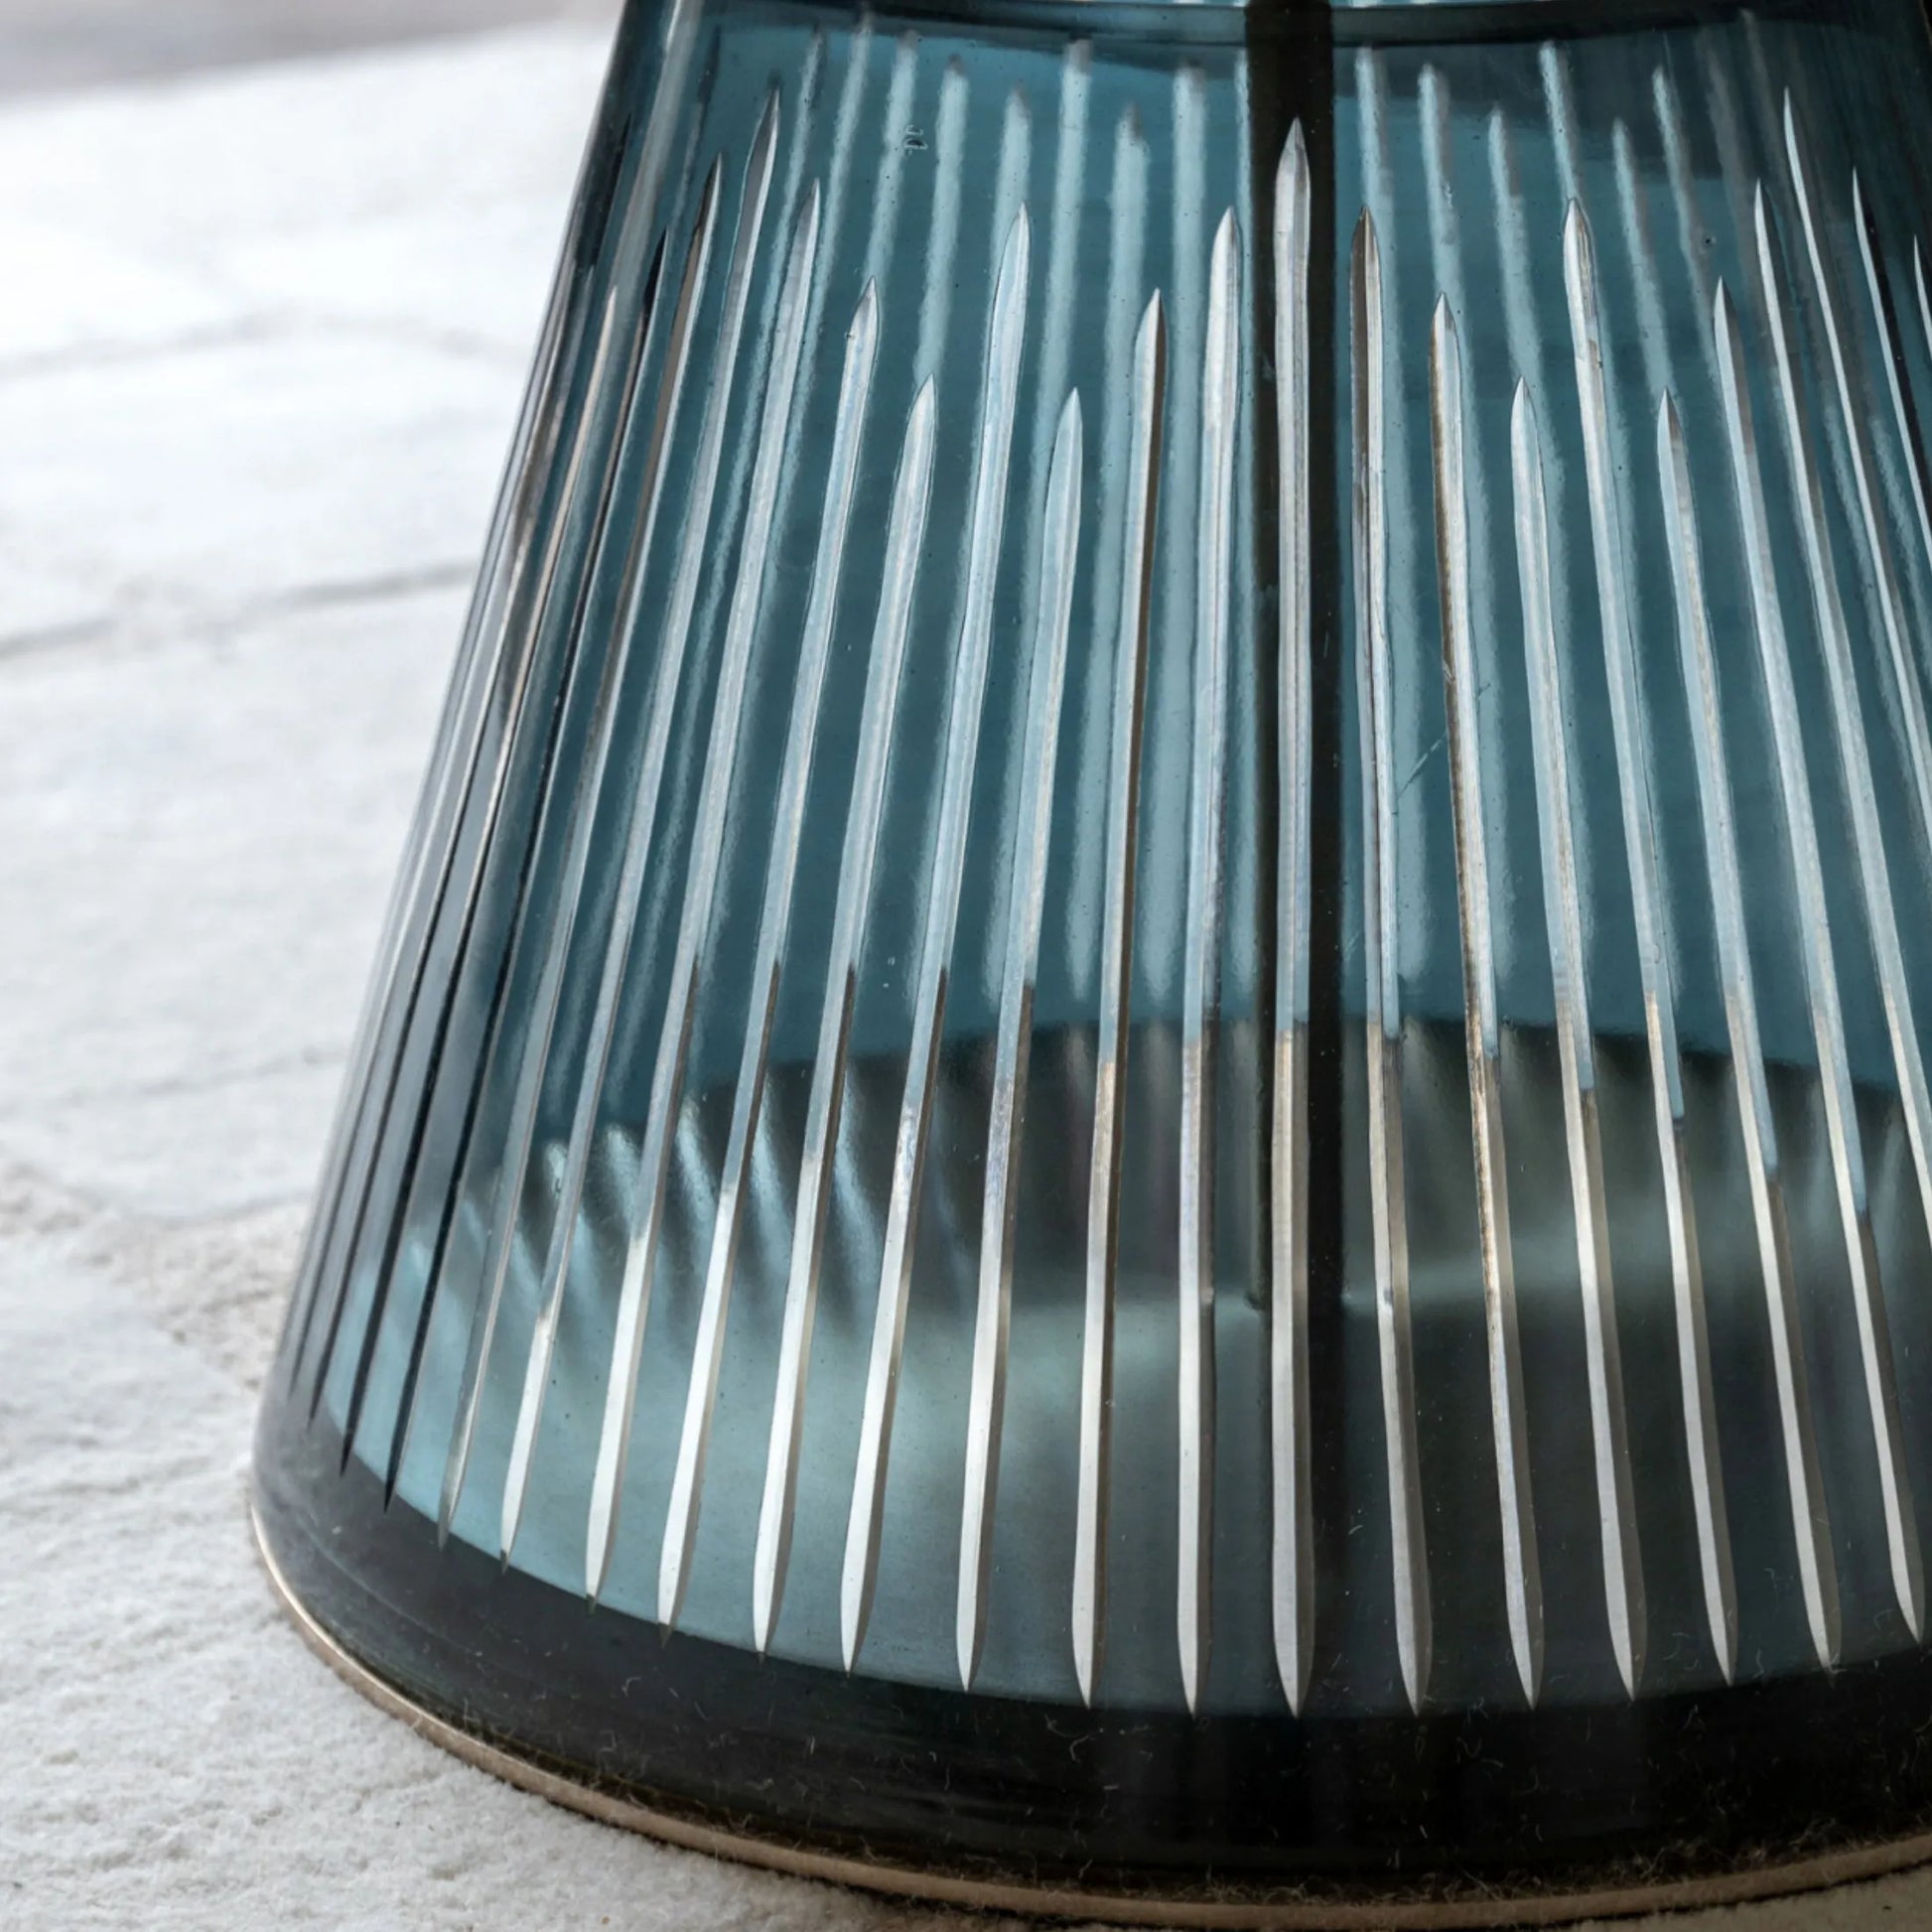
x,y
1147,1097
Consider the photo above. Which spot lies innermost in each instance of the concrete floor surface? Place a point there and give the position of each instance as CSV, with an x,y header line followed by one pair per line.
x,y
67,44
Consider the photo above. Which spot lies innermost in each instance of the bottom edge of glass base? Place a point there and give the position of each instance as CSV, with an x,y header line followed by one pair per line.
x,y
1236,1911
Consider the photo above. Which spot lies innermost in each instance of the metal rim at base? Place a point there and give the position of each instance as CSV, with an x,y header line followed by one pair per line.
x,y
1845,1865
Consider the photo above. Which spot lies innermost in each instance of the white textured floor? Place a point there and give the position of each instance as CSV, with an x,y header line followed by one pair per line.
x,y
261,338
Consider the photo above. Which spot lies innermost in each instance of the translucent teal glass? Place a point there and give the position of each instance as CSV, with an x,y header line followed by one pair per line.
x,y
1151,1065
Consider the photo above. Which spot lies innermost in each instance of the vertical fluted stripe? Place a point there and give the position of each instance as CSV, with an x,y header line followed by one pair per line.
x,y
1141,474
1708,1497
1630,739
1387,194
1124,314
1160,889
1201,972
1810,1523
1383,1029
1510,1424
1292,1525
986,1403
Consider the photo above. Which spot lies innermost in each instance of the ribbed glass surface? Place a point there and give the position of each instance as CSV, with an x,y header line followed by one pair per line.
x,y
1168,950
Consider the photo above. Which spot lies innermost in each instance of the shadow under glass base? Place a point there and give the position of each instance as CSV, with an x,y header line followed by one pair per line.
x,y
1471,1819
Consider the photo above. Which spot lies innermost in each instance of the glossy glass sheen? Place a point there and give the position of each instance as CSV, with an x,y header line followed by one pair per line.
x,y
1167,959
